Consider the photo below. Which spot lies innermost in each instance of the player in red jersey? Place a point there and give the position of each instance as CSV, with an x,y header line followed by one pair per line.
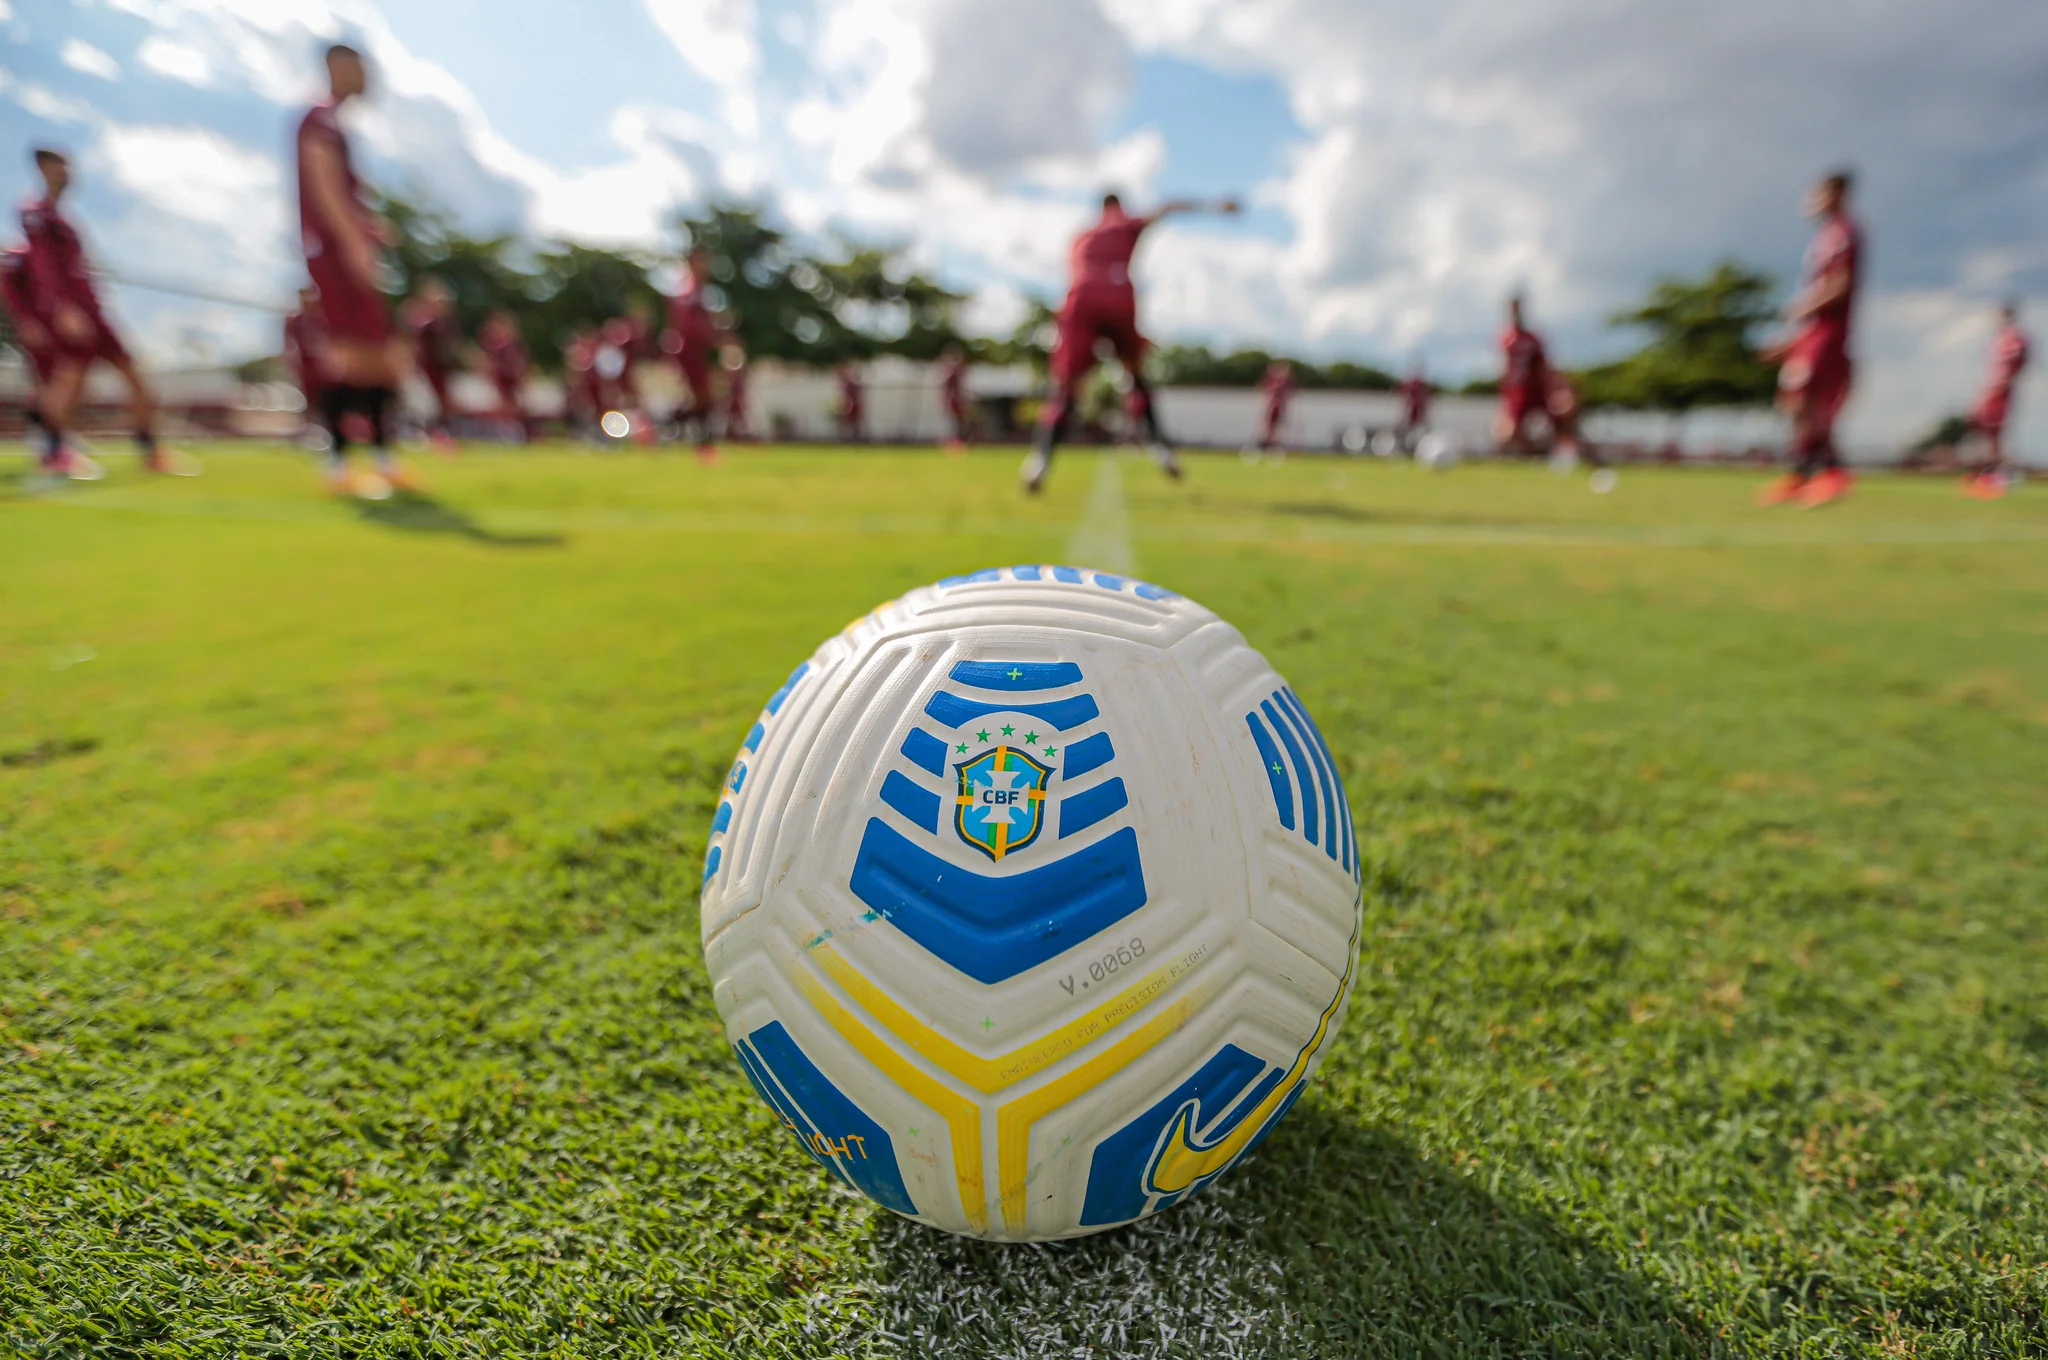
x,y
1102,305
60,280
342,239
1524,383
1815,373
583,390
305,349
429,316
1277,386
853,405
953,393
38,344
506,362
735,360
692,340
1416,392
2010,350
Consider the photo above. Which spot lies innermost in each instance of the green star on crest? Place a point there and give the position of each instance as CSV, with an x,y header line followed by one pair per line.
x,y
1031,739
961,748
1007,729
1052,750
981,736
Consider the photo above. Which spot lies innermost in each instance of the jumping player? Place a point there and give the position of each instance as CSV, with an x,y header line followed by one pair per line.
x,y
1816,374
853,405
1102,305
436,354
342,238
734,358
692,340
506,362
2009,353
32,336
1524,383
953,393
1277,386
62,287
1416,391
305,349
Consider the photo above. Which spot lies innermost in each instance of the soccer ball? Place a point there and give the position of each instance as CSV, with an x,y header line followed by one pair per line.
x,y
1032,902
1438,452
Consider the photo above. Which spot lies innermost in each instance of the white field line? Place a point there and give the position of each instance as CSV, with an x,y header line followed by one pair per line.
x,y
1103,537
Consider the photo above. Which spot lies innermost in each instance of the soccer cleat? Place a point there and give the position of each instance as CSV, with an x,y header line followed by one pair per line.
x,y
956,447
443,444
1036,465
68,462
396,478
170,462
1163,455
1785,488
707,453
1603,481
371,486
1984,486
1564,460
1826,488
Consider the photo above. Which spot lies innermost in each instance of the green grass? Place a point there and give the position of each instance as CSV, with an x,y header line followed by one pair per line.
x,y
351,1001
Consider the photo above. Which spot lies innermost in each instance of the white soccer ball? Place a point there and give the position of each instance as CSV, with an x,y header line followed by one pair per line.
x,y
1438,452
1033,902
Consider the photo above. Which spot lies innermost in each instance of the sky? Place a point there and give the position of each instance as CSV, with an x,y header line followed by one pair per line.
x,y
1404,166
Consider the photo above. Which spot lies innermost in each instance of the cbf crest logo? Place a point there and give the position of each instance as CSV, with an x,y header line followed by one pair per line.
x,y
1000,808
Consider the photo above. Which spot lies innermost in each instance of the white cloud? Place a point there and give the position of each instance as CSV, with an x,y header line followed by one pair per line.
x,y
176,60
50,106
83,56
202,178
717,37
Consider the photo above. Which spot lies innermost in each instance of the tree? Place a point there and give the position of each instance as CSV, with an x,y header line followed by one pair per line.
x,y
1701,350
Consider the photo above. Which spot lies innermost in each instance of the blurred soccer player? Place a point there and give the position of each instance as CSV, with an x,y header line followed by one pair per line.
x,y
853,405
505,360
60,280
437,353
1524,383
582,389
736,424
33,337
1416,391
1816,373
342,239
305,349
692,340
1277,385
1102,305
1569,446
953,393
2009,352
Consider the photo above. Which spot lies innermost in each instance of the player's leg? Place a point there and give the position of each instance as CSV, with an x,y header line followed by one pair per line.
x,y
695,362
142,412
1130,348
1828,480
60,405
1073,356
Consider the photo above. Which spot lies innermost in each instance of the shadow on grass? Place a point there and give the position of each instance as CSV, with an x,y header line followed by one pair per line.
x,y
418,514
1334,1240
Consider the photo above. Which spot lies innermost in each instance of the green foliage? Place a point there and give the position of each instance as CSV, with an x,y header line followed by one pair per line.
x,y
1198,366
351,1000
1702,346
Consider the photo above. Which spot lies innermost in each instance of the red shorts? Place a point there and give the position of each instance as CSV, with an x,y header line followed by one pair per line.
x,y
1993,410
41,359
508,389
693,362
353,312
1517,404
1818,373
1088,319
103,344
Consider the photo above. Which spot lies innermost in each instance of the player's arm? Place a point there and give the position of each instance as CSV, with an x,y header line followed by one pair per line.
x,y
338,207
1177,206
1834,284
48,278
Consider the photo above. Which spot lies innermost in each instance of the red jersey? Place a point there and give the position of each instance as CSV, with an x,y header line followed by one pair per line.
x,y
953,380
505,353
689,318
305,349
17,287
2009,354
436,339
321,127
1524,365
1838,245
1415,395
850,393
1278,384
1101,257
57,267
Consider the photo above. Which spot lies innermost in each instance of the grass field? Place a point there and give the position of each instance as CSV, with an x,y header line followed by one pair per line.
x,y
351,1001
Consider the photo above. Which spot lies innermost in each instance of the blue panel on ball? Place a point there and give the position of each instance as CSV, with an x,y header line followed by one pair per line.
x,y
1332,833
1089,753
831,1128
1109,582
1024,573
711,862
1083,810
1066,574
977,578
723,819
925,751
954,711
1123,1161
1152,592
917,803
1343,809
1017,675
1300,763
995,927
1276,775
775,699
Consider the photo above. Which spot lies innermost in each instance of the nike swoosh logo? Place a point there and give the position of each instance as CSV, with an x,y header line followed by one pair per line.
x,y
1181,1162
